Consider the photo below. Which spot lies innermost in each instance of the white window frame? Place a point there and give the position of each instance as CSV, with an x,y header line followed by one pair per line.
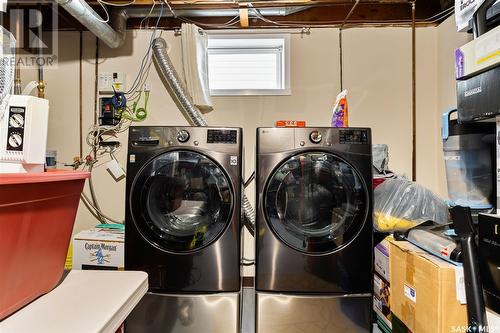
x,y
284,71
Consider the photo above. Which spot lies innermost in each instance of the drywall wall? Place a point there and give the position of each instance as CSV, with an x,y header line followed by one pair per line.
x,y
377,72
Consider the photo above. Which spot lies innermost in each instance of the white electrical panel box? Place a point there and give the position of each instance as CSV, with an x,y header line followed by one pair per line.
x,y
23,134
110,80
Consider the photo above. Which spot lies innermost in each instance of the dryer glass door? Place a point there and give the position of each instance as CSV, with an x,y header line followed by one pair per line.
x,y
316,202
181,201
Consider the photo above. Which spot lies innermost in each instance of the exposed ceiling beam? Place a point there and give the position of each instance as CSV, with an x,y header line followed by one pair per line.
x,y
315,13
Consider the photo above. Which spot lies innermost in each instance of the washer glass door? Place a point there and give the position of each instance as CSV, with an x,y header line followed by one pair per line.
x,y
316,202
181,201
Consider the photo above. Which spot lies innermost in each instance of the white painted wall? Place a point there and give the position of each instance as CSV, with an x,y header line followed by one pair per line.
x,y
377,72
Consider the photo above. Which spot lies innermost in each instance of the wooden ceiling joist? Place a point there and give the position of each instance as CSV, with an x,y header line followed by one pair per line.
x,y
309,14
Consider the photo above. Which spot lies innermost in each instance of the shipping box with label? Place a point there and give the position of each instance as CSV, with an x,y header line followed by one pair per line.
x,y
425,295
99,249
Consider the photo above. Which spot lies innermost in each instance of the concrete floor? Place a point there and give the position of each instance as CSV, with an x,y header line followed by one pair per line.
x,y
248,312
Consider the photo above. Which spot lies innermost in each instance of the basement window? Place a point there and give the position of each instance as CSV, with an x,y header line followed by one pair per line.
x,y
249,64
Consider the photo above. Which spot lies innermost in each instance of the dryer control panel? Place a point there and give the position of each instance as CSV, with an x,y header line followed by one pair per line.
x,y
353,136
222,136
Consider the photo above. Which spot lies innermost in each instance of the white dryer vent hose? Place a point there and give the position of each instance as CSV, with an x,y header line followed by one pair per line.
x,y
184,102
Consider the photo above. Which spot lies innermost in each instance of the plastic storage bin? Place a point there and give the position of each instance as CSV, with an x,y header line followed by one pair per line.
x,y
470,163
37,213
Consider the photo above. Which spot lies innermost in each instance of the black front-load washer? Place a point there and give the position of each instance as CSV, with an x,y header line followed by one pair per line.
x,y
314,244
182,226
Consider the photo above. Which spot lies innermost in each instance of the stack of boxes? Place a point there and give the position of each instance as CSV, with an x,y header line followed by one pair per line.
x,y
381,286
416,292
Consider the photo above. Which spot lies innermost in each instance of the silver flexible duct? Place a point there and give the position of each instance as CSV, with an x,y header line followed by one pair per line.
x,y
177,91
174,84
112,36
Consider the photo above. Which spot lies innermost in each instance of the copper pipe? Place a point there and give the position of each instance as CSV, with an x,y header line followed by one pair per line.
x,y
41,83
17,78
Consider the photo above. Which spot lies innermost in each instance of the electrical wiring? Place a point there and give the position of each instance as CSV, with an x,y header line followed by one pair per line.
x,y
148,16
86,199
137,94
432,19
247,263
249,180
117,4
170,8
146,58
93,196
232,21
105,11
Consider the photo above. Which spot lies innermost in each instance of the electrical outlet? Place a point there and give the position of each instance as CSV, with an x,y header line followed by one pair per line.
x,y
111,81
147,86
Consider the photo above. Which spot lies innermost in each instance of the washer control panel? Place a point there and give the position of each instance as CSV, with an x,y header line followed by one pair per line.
x,y
353,136
222,136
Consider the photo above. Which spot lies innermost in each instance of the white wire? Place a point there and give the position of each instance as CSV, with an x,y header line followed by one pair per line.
x,y
147,16
233,21
105,11
146,58
170,8
118,4
88,202
435,18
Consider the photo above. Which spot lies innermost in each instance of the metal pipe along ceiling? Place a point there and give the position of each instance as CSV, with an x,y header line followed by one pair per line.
x,y
111,36
177,91
114,35
138,12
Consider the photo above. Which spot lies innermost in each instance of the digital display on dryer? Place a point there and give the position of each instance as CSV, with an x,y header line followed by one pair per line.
x,y
222,136
353,136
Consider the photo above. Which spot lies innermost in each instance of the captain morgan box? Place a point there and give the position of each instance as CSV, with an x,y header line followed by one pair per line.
x,y
99,249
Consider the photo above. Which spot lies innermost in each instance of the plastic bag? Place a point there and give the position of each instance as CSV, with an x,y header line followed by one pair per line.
x,y
340,115
400,204
380,154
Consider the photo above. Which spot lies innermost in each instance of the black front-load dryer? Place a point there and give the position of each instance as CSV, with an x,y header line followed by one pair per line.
x,y
182,227
314,243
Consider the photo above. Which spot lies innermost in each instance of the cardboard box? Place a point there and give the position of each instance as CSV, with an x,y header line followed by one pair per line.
x,y
99,249
381,285
382,303
424,291
381,259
